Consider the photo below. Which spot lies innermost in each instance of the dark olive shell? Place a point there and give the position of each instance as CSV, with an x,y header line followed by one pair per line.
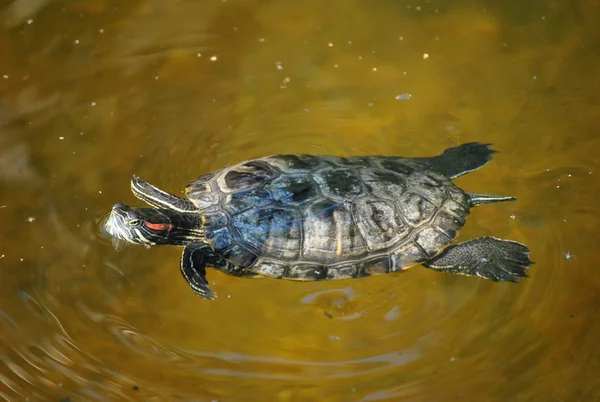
x,y
323,217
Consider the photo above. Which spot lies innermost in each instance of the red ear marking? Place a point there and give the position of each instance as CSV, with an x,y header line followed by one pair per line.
x,y
159,226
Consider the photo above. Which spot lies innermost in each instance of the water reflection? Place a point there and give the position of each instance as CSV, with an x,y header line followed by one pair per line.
x,y
95,91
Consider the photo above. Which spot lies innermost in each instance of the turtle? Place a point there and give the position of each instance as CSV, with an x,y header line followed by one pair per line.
x,y
310,217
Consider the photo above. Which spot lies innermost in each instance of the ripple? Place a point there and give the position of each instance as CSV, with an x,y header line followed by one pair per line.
x,y
276,368
393,314
336,303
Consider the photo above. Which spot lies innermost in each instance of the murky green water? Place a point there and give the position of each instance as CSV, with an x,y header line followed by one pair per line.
x,y
94,91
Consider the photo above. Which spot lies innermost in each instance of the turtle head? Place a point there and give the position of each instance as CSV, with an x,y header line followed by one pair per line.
x,y
145,226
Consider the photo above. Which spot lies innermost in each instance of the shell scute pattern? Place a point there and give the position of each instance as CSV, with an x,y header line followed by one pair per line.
x,y
379,266
416,209
407,254
294,189
295,163
215,219
429,186
339,184
247,175
343,271
448,223
383,183
246,199
309,218
310,272
201,192
379,223
330,233
429,240
399,165
361,162
239,255
269,267
221,239
270,231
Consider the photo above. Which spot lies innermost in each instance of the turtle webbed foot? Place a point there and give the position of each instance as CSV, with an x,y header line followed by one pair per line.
x,y
487,257
465,158
193,269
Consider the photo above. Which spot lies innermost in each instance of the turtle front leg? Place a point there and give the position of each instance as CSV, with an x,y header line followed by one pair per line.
x,y
195,258
487,257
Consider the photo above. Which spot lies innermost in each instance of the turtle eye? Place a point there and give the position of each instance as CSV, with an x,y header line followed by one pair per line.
x,y
134,222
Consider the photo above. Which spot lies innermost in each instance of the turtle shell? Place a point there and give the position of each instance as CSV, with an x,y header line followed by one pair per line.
x,y
325,217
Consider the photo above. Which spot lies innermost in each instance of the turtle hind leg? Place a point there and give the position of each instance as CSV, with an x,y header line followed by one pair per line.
x,y
487,257
460,160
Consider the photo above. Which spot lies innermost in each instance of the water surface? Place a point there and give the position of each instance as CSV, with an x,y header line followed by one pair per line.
x,y
94,91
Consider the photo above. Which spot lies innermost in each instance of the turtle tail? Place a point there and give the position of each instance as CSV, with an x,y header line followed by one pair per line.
x,y
480,199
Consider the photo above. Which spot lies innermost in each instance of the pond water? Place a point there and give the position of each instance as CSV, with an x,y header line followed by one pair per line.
x,y
94,91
